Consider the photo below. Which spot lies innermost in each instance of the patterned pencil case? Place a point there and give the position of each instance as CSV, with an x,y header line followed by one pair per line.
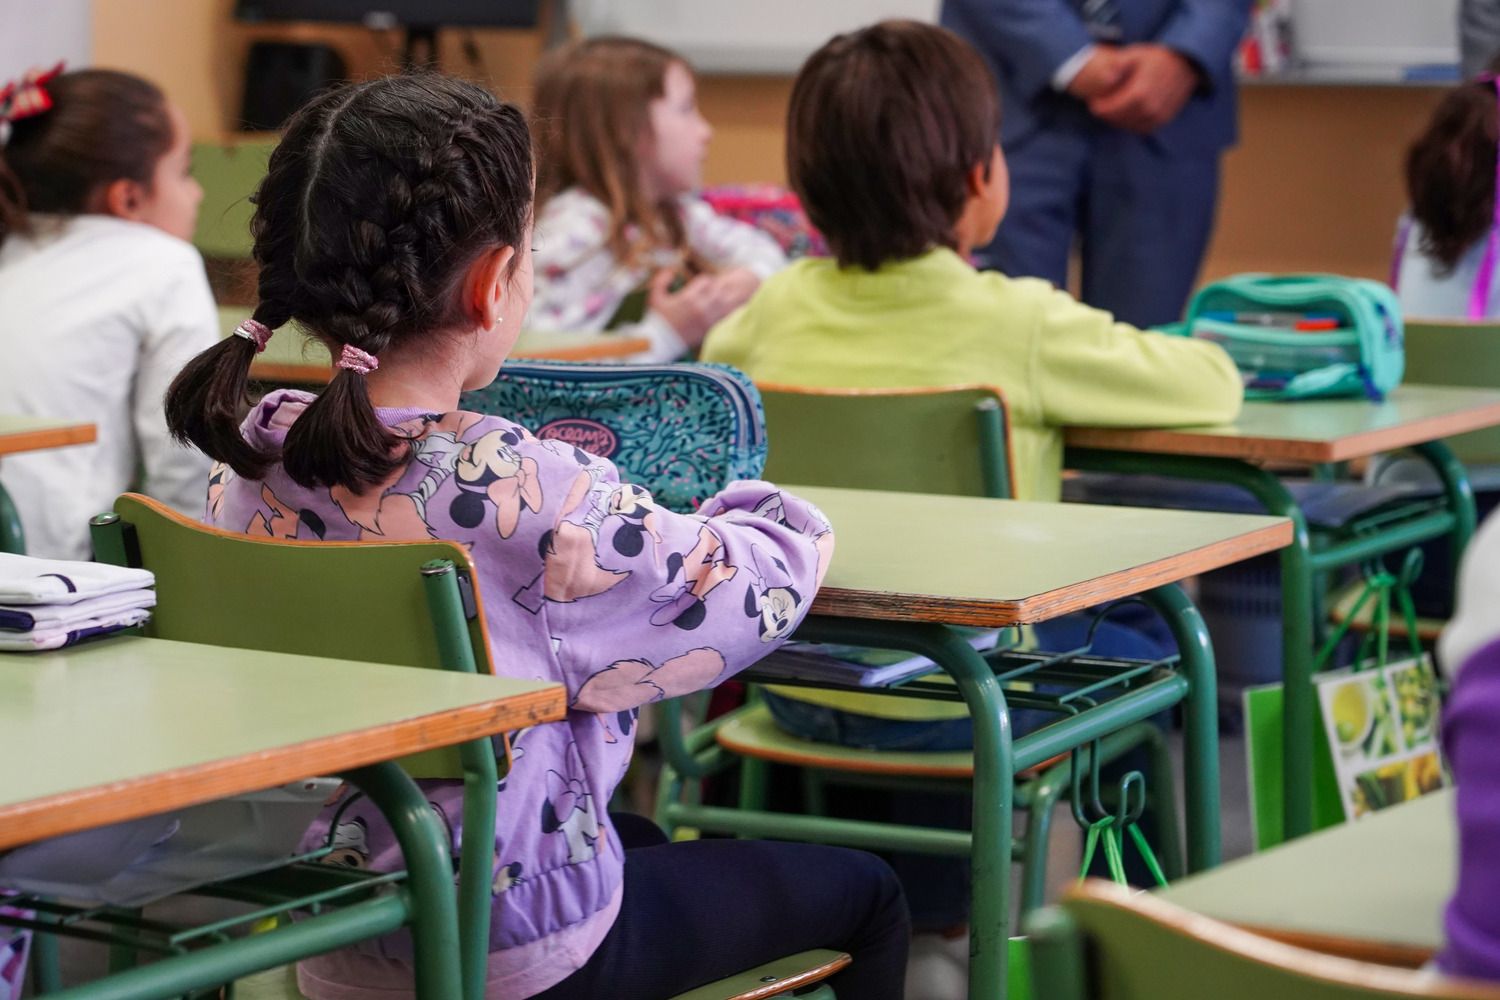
x,y
683,431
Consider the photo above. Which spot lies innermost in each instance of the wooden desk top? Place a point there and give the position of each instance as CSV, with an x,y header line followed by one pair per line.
x,y
128,727
1373,889
294,357
1316,430
966,561
18,434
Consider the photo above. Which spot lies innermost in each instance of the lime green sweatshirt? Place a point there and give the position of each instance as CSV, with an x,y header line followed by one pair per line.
x,y
934,320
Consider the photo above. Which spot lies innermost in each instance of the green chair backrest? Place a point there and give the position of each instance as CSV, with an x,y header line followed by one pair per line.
x,y
949,440
1456,352
367,601
1104,942
229,173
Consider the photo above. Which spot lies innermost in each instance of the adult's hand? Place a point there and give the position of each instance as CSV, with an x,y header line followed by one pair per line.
x,y
1101,73
1157,83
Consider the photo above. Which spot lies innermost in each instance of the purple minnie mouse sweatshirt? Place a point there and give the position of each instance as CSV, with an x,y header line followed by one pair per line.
x,y
584,581
1470,652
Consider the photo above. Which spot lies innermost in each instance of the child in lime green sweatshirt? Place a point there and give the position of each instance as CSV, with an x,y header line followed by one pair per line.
x,y
891,144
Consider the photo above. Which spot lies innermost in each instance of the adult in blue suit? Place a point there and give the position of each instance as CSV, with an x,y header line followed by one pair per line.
x,y
1115,114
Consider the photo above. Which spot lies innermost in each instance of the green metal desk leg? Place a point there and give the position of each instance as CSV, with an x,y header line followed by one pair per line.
x,y
1460,494
1200,764
434,924
12,538
1296,601
994,786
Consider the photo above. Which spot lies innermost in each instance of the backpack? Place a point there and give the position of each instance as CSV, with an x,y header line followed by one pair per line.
x,y
1300,336
683,431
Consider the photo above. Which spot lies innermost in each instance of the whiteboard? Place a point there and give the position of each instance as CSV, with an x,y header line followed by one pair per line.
x,y
741,36
1380,32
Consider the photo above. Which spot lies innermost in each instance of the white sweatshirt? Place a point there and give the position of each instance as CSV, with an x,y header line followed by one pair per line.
x,y
97,315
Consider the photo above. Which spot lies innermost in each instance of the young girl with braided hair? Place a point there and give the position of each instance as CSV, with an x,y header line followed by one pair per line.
x,y
395,225
102,299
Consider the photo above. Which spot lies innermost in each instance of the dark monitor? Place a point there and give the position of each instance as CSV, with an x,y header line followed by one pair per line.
x,y
396,13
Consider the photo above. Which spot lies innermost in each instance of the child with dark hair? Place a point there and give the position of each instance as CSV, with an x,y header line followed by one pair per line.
x,y
891,145
395,225
102,300
1447,243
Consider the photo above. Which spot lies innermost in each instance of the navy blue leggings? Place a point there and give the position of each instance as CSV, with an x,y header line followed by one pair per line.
x,y
704,910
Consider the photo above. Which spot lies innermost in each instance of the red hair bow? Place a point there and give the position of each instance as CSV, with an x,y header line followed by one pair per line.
x,y
27,96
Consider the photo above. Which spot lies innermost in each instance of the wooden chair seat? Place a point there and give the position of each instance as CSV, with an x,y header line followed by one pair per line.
x,y
1342,603
774,979
753,733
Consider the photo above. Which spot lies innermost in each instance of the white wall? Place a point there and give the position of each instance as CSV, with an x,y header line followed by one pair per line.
x,y
40,32
736,36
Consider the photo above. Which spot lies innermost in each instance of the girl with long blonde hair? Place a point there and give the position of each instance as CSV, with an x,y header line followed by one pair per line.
x,y
622,240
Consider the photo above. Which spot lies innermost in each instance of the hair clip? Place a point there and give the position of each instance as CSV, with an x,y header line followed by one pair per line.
x,y
28,97
254,331
357,361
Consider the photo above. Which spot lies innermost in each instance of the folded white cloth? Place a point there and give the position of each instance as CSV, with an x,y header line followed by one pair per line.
x,y
57,636
28,580
25,617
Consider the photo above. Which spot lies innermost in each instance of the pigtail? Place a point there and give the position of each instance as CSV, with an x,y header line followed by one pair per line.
x,y
339,441
208,399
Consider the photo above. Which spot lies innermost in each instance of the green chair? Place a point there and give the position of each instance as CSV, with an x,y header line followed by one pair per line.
x,y
229,173
1106,943
945,440
950,440
1461,353
228,589
1445,352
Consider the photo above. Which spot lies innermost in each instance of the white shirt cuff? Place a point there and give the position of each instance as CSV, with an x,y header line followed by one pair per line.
x,y
666,345
1063,76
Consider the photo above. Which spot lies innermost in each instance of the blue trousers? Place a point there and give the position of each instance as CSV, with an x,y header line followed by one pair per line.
x,y
703,910
1141,217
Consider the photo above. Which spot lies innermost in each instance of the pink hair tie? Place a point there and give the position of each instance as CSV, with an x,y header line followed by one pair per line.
x,y
357,361
254,331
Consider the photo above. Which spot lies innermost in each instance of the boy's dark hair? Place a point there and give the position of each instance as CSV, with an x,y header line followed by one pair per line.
x,y
1450,173
376,201
884,126
103,126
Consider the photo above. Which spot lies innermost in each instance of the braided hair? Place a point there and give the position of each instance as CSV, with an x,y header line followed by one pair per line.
x,y
376,201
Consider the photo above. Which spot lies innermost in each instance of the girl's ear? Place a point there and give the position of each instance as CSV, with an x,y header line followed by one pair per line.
x,y
124,199
486,285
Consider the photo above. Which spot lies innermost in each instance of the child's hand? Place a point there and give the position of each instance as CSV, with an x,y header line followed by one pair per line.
x,y
737,285
697,305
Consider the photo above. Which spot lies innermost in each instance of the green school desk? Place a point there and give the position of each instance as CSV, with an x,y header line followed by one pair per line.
x,y
19,434
1373,889
133,727
293,357
1310,432
906,566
